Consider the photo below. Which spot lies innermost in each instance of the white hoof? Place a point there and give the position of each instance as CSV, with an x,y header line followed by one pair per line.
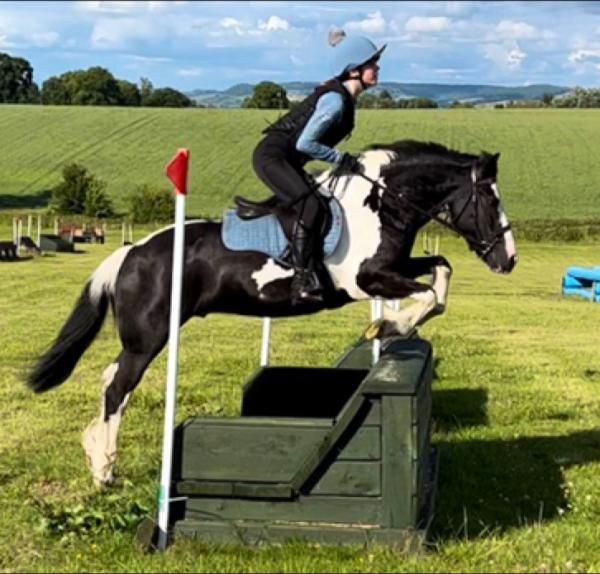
x,y
98,460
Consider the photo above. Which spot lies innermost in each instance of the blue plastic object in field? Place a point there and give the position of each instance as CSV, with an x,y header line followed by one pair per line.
x,y
582,282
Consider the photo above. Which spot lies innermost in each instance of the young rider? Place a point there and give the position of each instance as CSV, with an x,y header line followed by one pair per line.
x,y
310,131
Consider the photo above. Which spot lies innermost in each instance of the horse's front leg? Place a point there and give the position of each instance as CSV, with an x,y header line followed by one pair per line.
x,y
441,270
430,300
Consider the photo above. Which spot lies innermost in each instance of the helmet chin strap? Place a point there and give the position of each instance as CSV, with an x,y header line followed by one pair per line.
x,y
360,79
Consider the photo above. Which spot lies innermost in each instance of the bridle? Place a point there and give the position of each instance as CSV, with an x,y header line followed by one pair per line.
x,y
481,246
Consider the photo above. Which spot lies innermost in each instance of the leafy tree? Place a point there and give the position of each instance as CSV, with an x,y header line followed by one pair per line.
x,y
421,103
146,89
130,94
95,86
168,98
54,92
367,101
578,98
148,205
459,104
547,99
16,81
267,95
384,100
99,85
80,192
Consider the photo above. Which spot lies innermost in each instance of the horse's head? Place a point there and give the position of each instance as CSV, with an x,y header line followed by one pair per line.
x,y
476,212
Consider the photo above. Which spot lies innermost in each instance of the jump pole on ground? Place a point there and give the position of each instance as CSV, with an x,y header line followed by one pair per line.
x,y
177,172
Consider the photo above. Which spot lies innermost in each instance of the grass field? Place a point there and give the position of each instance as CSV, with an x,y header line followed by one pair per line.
x,y
516,410
548,166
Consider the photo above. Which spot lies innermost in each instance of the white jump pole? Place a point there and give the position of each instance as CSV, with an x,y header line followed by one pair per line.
x,y
15,224
376,314
177,173
39,231
266,341
19,233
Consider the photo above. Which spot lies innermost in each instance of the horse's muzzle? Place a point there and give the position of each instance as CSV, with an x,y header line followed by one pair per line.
x,y
508,266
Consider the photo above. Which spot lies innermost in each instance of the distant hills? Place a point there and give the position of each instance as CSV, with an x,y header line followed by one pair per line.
x,y
443,94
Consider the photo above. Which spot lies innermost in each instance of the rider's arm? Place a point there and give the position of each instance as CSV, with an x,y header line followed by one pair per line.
x,y
328,110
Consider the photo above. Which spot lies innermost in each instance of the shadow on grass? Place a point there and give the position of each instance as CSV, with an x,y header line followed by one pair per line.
x,y
34,201
16,260
493,485
454,409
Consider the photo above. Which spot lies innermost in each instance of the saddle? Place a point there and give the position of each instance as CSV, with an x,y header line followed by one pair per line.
x,y
247,209
254,226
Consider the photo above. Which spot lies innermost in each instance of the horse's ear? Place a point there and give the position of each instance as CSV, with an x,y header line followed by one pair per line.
x,y
487,166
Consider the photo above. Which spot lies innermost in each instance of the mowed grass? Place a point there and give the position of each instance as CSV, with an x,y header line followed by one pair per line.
x,y
548,166
516,411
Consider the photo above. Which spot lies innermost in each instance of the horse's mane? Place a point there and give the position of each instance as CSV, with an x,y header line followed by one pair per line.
x,y
414,153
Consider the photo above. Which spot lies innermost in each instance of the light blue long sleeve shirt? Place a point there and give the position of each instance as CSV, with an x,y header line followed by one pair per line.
x,y
328,110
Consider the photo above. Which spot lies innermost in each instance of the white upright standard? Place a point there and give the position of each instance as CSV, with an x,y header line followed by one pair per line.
x,y
177,172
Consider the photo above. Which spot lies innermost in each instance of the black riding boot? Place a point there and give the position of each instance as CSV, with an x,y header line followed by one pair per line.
x,y
306,286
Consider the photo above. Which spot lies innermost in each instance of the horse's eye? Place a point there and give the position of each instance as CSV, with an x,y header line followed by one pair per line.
x,y
486,191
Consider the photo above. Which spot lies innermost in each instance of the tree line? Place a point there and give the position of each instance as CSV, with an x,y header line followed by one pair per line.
x,y
95,86
269,95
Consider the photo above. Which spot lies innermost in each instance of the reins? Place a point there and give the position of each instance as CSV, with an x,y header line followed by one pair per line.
x,y
486,244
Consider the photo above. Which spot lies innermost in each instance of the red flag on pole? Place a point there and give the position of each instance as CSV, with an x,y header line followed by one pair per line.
x,y
177,170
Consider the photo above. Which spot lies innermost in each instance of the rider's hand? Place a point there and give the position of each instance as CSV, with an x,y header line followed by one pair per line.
x,y
348,164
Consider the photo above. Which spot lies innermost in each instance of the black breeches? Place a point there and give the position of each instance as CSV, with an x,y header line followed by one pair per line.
x,y
289,184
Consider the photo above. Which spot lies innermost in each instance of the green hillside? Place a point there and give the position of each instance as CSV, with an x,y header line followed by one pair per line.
x,y
548,167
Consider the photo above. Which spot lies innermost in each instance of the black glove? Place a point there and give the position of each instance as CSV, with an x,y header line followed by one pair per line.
x,y
349,164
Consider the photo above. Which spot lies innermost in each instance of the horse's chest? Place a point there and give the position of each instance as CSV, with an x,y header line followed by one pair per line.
x,y
360,240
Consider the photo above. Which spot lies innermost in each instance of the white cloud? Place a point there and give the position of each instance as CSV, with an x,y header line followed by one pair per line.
x,y
457,7
125,6
103,7
507,57
274,23
118,34
190,72
511,30
427,24
19,32
44,39
579,56
231,24
517,30
5,42
148,59
373,24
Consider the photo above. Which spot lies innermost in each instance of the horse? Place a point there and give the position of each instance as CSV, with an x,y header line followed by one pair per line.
x,y
399,188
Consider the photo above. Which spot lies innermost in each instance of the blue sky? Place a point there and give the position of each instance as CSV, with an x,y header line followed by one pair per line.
x,y
188,45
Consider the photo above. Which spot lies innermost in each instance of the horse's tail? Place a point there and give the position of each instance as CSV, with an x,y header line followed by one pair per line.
x,y
81,328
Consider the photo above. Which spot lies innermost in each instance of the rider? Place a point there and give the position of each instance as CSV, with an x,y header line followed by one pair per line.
x,y
309,131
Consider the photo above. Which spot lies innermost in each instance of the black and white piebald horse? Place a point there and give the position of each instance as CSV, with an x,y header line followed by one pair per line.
x,y
402,186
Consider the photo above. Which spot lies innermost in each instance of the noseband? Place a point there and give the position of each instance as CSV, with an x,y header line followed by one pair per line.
x,y
481,246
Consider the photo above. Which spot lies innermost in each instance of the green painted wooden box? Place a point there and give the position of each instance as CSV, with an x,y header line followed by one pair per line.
x,y
336,454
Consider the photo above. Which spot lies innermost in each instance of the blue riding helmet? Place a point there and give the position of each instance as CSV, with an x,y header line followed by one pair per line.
x,y
352,53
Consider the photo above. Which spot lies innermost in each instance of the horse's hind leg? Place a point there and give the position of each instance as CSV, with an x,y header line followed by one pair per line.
x,y
100,438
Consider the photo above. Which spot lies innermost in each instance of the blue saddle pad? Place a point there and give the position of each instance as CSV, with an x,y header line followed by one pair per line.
x,y
265,235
